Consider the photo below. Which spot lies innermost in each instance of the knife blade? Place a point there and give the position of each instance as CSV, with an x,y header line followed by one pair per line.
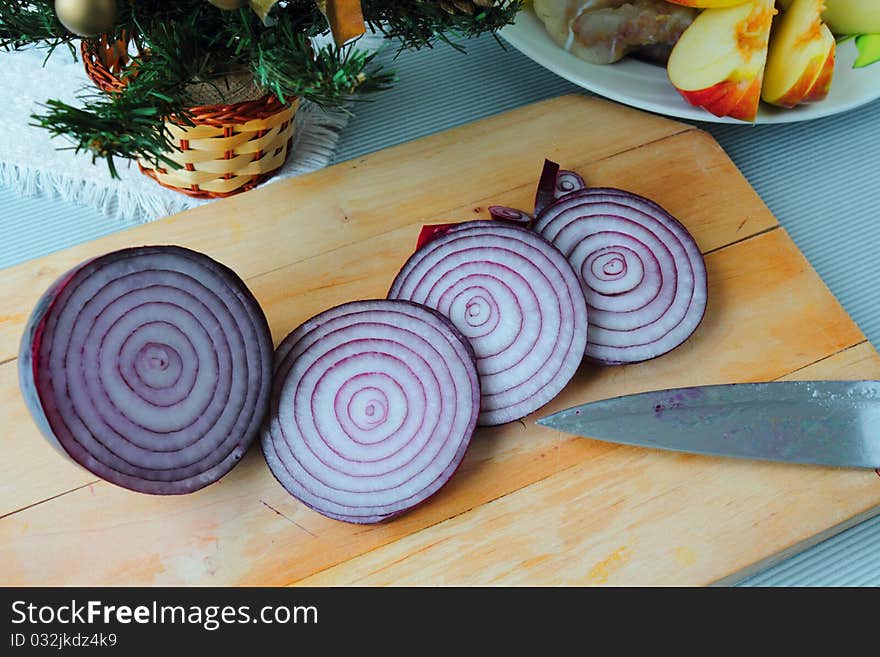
x,y
834,423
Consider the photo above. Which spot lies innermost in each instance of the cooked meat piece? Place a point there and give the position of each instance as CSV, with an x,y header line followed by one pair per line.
x,y
656,54
603,31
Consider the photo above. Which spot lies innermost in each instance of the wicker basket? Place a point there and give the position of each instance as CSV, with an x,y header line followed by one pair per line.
x,y
230,149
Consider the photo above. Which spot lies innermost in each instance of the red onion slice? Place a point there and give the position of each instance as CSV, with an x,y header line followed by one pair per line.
x,y
568,182
373,408
150,367
546,192
517,300
643,275
510,215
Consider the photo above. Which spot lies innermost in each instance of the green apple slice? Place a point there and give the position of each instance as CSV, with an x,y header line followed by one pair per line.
x,y
869,50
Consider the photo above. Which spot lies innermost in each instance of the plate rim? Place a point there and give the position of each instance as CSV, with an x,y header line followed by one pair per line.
x,y
516,35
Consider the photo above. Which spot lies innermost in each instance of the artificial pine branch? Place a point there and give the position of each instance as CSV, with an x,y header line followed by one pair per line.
x,y
31,23
186,42
332,77
421,23
287,64
112,126
179,53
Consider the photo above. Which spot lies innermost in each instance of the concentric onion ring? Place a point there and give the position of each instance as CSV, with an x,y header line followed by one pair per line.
x,y
643,275
150,367
568,182
373,408
518,302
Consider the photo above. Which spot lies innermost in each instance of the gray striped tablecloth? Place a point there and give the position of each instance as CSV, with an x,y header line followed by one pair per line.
x,y
821,179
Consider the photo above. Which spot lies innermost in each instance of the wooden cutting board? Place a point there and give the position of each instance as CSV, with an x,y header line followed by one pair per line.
x,y
529,505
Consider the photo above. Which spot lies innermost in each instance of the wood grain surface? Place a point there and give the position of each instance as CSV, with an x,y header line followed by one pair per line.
x,y
529,505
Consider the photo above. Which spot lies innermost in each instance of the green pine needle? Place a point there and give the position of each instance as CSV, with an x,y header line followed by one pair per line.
x,y
188,42
421,23
330,76
112,126
24,24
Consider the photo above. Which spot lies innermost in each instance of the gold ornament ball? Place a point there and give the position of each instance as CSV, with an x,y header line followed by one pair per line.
x,y
86,18
228,4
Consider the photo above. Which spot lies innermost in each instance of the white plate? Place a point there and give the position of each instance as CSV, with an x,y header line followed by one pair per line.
x,y
646,86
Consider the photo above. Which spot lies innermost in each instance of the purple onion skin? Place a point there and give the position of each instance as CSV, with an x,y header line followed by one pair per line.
x,y
29,375
26,358
509,215
546,193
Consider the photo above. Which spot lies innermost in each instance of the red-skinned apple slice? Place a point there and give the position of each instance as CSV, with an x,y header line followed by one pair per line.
x,y
746,109
801,60
720,99
718,63
822,85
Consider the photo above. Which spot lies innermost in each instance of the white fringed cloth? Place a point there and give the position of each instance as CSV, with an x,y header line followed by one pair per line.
x,y
32,164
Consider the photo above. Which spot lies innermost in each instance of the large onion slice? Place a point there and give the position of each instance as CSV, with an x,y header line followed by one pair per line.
x,y
373,408
150,367
643,275
517,300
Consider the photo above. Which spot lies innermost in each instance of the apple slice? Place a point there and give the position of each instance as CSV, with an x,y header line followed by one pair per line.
x,y
822,85
801,60
718,63
747,107
868,46
845,16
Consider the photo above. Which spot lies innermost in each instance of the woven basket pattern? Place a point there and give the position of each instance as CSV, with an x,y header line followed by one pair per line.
x,y
229,149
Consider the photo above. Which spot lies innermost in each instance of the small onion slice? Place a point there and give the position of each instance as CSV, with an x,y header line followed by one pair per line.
x,y
517,300
150,367
643,275
510,215
568,182
373,408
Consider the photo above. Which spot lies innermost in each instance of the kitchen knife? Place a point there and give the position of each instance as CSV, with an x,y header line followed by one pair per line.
x,y
833,423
